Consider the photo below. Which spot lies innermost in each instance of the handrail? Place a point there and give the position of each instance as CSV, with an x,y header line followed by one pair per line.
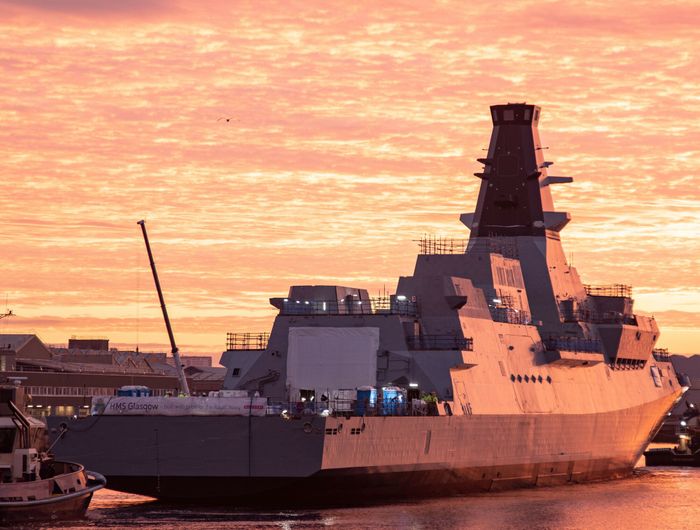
x,y
439,342
577,344
354,306
247,341
615,290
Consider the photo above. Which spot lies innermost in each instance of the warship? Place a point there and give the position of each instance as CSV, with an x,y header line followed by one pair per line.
x,y
492,366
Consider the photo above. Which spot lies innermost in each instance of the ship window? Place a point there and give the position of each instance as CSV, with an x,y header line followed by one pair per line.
x,y
236,372
527,114
537,115
512,377
520,379
549,379
508,115
533,379
639,335
527,378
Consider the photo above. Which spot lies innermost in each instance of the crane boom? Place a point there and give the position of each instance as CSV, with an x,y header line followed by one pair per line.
x,y
184,388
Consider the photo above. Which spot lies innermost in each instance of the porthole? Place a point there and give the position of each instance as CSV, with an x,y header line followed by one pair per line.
x,y
527,378
539,378
512,377
549,379
520,378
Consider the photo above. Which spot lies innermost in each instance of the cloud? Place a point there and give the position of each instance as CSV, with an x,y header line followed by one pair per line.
x,y
89,8
357,132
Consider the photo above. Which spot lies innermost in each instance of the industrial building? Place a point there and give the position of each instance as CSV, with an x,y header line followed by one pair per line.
x,y
63,380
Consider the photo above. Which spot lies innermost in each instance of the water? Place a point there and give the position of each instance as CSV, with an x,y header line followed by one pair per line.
x,y
667,498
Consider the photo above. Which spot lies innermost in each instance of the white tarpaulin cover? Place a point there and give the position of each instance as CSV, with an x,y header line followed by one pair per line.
x,y
331,358
179,406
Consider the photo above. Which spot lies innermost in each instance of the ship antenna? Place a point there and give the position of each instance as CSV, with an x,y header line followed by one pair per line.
x,y
176,353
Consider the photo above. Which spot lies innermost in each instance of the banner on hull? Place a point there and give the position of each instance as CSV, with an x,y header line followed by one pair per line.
x,y
179,406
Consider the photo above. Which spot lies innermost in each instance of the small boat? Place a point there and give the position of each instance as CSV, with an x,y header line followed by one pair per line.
x,y
687,452
33,485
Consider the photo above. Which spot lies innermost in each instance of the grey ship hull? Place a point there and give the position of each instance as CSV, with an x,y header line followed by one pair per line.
x,y
550,381
271,461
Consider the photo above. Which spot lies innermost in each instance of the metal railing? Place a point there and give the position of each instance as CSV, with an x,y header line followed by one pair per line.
x,y
572,344
347,408
372,306
608,317
433,245
661,354
441,245
439,342
510,315
616,290
247,341
506,247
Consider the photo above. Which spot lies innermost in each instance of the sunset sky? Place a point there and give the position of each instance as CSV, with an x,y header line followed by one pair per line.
x,y
355,131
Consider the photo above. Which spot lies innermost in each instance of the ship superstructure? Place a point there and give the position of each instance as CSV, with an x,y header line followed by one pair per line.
x,y
539,378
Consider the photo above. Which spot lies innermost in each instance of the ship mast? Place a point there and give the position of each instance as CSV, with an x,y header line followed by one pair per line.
x,y
184,389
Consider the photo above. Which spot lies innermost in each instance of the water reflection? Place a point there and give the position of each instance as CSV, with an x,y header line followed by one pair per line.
x,y
651,498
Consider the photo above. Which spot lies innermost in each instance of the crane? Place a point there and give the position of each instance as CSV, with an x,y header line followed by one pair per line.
x,y
184,388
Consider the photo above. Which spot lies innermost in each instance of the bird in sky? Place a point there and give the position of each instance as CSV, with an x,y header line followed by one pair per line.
x,y
227,118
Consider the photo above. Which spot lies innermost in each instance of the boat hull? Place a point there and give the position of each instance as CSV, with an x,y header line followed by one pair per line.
x,y
59,510
67,506
363,486
269,460
668,457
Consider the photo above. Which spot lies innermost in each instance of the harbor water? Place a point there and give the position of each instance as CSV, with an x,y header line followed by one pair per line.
x,y
667,498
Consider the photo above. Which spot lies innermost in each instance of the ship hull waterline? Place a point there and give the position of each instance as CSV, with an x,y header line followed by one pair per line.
x,y
271,461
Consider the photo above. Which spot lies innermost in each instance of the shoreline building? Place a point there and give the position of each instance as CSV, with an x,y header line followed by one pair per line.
x,y
63,380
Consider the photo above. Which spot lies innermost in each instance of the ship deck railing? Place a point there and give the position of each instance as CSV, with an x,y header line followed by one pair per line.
x,y
439,342
615,290
661,354
247,341
351,306
608,317
347,408
432,245
577,344
510,315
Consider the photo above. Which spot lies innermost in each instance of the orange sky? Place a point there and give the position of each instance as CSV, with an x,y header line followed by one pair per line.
x,y
358,132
